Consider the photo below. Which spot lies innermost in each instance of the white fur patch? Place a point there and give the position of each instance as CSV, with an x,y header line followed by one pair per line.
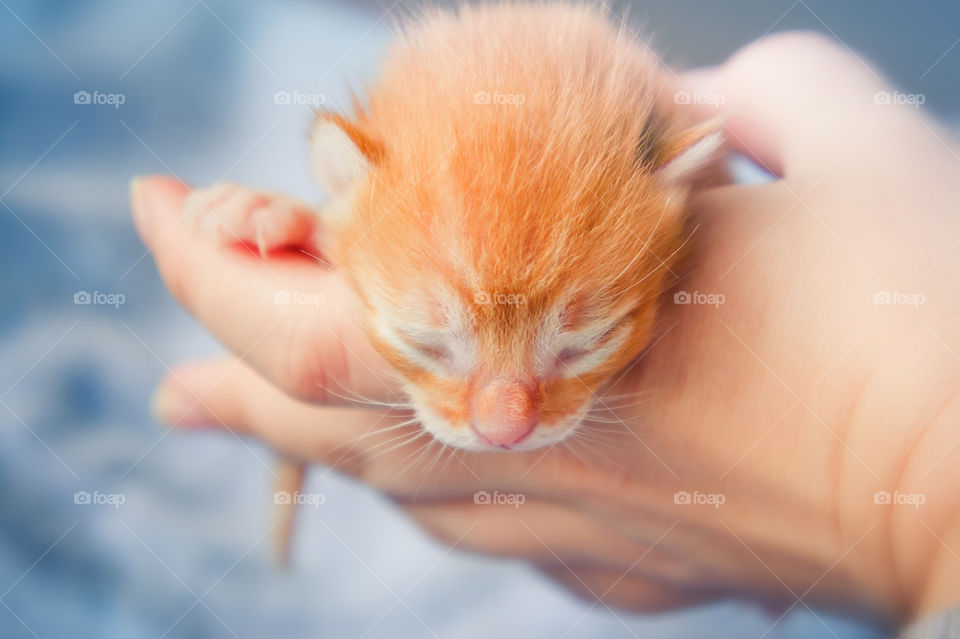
x,y
401,343
462,435
337,162
686,165
454,337
552,341
594,355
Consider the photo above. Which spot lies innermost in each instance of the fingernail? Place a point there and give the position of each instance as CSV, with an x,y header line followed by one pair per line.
x,y
135,183
172,405
136,200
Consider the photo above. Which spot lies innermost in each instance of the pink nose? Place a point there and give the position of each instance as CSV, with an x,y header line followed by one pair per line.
x,y
504,412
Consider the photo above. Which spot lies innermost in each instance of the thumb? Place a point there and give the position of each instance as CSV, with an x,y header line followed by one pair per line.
x,y
792,102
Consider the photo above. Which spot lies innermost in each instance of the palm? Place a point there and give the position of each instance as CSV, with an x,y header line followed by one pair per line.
x,y
770,400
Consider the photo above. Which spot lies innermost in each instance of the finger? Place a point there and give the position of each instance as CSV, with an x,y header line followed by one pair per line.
x,y
526,528
792,101
314,350
622,590
228,394
387,449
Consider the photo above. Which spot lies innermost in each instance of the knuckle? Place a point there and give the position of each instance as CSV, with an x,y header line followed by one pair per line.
x,y
301,376
311,363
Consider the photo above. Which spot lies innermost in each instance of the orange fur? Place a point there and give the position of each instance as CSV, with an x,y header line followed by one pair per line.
x,y
556,199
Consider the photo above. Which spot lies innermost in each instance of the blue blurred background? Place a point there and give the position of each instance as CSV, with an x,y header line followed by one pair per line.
x,y
185,554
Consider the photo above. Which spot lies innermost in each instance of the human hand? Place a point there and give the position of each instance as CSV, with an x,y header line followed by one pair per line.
x,y
793,402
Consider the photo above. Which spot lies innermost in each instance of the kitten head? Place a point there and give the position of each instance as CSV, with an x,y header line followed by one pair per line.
x,y
509,257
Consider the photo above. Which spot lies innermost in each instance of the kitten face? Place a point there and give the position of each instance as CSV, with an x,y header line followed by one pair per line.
x,y
510,254
503,320
517,377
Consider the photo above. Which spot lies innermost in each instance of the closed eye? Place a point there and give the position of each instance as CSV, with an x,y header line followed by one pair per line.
x,y
569,356
585,354
442,346
434,351
430,350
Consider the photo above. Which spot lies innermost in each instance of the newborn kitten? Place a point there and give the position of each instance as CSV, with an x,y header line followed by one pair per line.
x,y
507,206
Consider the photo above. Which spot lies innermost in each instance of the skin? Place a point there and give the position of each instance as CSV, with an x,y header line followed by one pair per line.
x,y
793,402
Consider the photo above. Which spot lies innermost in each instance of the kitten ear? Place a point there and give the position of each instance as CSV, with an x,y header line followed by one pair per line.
x,y
685,156
341,154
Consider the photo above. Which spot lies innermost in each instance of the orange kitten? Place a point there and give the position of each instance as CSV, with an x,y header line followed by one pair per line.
x,y
507,206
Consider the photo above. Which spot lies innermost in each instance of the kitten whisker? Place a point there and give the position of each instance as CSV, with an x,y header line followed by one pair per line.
x,y
319,260
399,445
429,470
378,431
422,450
609,419
567,445
607,441
617,401
366,401
385,442
454,454
589,448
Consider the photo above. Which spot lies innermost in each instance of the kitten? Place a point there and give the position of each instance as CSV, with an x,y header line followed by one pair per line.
x,y
507,206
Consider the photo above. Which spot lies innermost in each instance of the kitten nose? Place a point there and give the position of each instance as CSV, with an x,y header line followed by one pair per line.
x,y
503,412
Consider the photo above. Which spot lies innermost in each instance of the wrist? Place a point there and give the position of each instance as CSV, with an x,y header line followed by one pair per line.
x,y
910,560
898,504
941,583
927,540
